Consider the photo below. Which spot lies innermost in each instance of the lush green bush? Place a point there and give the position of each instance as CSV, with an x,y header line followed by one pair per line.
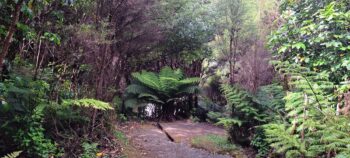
x,y
314,39
315,34
89,150
31,122
22,115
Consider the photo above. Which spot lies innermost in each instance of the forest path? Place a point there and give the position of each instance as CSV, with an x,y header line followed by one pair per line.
x,y
151,142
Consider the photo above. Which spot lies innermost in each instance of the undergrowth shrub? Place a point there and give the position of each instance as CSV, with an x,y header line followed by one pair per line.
x,y
259,143
89,150
244,114
271,99
121,137
30,121
214,117
205,109
22,104
311,126
34,139
81,119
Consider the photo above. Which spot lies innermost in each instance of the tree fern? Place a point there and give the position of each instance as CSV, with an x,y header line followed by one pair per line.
x,y
162,89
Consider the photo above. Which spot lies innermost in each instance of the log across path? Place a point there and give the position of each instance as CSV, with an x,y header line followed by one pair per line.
x,y
152,142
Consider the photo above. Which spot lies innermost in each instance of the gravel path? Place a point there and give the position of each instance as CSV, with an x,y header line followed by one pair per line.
x,y
153,143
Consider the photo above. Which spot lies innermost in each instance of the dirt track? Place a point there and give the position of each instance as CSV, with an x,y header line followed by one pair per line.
x,y
151,142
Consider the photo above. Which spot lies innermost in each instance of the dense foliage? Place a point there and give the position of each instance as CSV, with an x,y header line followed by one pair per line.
x,y
316,35
311,127
274,73
27,112
314,42
246,111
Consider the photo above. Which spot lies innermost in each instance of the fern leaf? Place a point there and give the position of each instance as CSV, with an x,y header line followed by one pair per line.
x,y
88,103
228,122
13,154
131,102
148,79
167,72
136,89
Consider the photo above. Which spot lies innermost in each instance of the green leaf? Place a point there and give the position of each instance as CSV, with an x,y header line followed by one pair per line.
x,y
283,49
299,45
228,122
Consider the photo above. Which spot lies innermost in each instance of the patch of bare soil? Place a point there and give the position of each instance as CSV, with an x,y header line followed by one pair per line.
x,y
151,142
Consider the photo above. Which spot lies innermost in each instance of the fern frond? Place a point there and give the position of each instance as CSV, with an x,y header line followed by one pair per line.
x,y
168,85
131,102
314,129
228,122
281,139
239,101
135,89
190,81
148,79
167,72
150,97
88,103
13,154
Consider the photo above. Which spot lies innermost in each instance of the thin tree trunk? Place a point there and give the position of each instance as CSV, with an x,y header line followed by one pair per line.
x,y
235,45
190,102
233,54
11,31
306,102
231,60
37,61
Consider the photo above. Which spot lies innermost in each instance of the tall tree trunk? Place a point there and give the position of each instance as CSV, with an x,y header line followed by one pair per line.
x,y
231,62
234,54
11,31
